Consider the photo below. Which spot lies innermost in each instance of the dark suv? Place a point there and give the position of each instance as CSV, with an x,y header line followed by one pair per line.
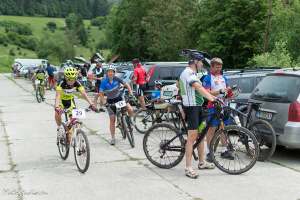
x,y
167,72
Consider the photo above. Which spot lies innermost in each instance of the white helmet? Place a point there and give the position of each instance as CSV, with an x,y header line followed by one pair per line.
x,y
111,67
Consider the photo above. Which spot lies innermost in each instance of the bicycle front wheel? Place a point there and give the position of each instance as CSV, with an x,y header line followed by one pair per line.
x,y
234,150
38,94
63,146
143,120
128,130
82,151
266,138
164,146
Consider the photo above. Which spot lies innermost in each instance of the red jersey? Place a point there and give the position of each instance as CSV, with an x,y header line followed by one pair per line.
x,y
140,75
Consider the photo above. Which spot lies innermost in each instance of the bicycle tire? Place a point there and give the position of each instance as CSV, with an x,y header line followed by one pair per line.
x,y
128,130
140,120
87,150
179,139
245,135
121,127
266,137
38,95
63,147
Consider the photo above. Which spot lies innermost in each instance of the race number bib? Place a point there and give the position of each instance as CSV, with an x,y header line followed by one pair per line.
x,y
78,114
120,104
37,82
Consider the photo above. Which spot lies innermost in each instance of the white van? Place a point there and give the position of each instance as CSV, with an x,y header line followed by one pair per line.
x,y
25,64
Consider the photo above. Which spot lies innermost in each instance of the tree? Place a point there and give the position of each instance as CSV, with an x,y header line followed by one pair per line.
x,y
230,29
75,24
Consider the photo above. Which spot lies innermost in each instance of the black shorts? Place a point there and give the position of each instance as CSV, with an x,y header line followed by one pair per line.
x,y
112,109
66,104
141,90
193,115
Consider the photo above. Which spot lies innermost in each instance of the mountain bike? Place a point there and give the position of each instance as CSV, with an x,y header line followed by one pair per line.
x,y
39,90
261,128
74,136
123,120
155,113
164,145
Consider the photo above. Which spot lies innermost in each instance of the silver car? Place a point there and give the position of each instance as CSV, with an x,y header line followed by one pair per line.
x,y
280,91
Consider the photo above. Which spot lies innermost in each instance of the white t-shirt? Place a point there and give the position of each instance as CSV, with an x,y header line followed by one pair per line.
x,y
190,97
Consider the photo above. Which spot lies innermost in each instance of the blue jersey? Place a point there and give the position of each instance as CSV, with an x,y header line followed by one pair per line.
x,y
111,88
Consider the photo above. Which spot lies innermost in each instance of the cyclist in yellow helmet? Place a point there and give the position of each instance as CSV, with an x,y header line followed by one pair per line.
x,y
40,75
65,94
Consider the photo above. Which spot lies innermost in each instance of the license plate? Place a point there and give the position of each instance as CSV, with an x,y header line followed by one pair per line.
x,y
264,115
84,79
168,93
120,104
37,82
78,113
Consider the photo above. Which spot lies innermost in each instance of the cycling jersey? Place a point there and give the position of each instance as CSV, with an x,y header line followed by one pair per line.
x,y
40,74
190,97
111,88
140,74
67,91
215,82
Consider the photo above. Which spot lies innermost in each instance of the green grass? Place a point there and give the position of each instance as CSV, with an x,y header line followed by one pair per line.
x,y
38,25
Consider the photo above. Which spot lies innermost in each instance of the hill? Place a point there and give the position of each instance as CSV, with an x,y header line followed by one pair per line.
x,y
38,26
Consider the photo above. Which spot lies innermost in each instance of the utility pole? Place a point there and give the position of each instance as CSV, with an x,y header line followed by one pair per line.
x,y
268,26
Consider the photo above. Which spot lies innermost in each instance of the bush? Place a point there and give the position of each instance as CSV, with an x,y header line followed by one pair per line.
x,y
12,52
278,57
22,41
19,28
51,26
98,21
3,38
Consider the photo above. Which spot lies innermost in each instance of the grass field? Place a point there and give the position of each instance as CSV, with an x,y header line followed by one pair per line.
x,y
38,25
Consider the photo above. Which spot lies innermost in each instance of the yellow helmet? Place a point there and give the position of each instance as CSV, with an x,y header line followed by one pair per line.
x,y
70,73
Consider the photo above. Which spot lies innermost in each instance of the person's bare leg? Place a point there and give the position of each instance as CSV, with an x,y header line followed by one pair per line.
x,y
201,151
130,110
142,102
57,119
210,134
192,136
96,99
112,120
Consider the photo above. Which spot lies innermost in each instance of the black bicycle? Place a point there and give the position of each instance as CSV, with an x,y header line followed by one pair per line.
x,y
164,145
123,120
39,90
261,128
156,112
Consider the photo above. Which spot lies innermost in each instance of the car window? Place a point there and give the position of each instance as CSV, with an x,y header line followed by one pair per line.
x,y
165,73
246,84
233,81
277,88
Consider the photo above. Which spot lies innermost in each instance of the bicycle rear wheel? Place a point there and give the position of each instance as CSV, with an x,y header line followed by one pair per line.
x,y
266,138
164,146
143,120
128,129
63,146
234,150
82,151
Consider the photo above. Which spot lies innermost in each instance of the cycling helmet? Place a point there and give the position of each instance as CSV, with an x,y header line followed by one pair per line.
x,y
70,73
111,67
197,56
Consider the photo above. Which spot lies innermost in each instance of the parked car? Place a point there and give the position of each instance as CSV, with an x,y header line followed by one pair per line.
x,y
167,72
280,91
246,80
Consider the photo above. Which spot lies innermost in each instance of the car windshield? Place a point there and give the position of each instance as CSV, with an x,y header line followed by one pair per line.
x,y
277,88
245,84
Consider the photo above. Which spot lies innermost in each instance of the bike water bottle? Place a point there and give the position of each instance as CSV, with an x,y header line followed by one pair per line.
x,y
201,127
